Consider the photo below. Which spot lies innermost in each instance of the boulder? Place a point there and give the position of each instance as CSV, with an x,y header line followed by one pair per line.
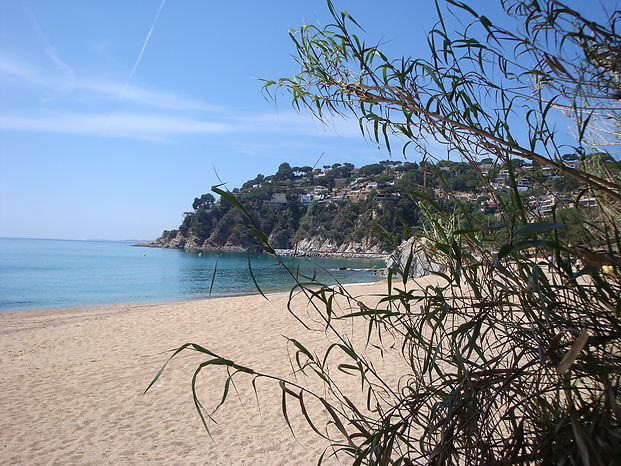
x,y
178,242
423,262
192,243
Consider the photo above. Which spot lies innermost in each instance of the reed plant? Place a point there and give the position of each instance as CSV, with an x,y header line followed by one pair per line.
x,y
512,352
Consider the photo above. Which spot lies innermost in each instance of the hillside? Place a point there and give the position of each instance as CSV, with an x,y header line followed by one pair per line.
x,y
344,209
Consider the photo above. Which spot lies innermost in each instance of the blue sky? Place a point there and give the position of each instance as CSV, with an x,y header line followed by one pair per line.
x,y
99,141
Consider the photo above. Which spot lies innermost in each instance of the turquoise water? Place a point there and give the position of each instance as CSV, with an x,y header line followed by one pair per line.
x,y
38,273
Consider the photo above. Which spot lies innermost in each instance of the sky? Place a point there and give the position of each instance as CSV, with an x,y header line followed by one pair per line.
x,y
114,115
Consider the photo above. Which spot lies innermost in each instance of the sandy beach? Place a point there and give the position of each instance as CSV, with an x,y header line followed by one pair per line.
x,y
73,381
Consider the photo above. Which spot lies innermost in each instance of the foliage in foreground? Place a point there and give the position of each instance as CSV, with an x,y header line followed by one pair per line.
x,y
514,353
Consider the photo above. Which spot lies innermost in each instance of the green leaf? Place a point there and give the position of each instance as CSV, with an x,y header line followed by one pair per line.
x,y
213,276
254,280
230,198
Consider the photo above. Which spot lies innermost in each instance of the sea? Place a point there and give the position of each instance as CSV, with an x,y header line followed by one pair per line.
x,y
45,273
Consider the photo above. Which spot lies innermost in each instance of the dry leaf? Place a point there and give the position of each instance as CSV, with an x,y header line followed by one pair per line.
x,y
572,354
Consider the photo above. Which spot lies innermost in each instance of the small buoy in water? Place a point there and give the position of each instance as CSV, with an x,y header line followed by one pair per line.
x,y
200,254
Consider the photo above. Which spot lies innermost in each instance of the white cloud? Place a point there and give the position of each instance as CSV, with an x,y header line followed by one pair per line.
x,y
185,114
164,126
12,68
141,95
71,85
141,126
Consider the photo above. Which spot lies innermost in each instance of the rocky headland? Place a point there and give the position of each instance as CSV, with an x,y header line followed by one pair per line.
x,y
308,247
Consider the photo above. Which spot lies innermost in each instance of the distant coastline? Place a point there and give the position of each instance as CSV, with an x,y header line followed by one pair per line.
x,y
90,240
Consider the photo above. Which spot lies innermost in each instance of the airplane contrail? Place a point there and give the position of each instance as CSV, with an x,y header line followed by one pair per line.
x,y
146,41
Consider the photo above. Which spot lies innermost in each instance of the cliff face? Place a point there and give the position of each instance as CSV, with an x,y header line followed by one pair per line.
x,y
327,245
192,242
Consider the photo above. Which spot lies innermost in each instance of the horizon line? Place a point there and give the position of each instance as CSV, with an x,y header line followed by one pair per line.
x,y
75,239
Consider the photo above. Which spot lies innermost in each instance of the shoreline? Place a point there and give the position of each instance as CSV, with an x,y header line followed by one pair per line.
x,y
174,301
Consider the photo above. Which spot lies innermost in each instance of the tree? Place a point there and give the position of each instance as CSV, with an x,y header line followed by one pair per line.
x,y
565,184
342,171
299,171
206,201
509,362
284,172
371,169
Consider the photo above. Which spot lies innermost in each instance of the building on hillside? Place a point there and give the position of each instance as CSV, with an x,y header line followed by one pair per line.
x,y
439,192
465,197
332,199
588,202
382,199
486,167
549,172
523,184
551,201
278,201
546,204
307,198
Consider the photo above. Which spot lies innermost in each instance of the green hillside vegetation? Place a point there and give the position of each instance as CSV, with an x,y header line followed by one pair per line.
x,y
341,204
